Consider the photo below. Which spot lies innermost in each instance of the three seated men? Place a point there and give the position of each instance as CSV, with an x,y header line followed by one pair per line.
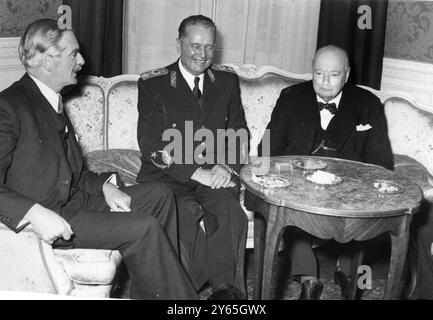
x,y
156,224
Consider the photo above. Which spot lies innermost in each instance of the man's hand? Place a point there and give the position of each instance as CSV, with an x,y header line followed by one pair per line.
x,y
116,199
221,177
215,178
48,224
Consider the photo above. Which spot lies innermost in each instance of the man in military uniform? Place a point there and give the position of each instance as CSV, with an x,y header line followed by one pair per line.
x,y
194,98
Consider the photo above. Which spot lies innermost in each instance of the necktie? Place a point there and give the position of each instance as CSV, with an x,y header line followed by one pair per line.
x,y
196,91
61,115
331,107
60,106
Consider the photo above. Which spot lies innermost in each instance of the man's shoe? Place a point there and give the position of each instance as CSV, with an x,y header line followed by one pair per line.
x,y
344,282
311,290
227,292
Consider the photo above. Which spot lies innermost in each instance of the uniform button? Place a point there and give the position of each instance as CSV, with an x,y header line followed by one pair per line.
x,y
66,181
226,118
174,125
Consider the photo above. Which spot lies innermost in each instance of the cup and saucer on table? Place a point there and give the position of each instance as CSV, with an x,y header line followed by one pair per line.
x,y
313,172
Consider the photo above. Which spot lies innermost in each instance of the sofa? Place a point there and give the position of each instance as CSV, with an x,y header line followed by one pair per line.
x,y
104,114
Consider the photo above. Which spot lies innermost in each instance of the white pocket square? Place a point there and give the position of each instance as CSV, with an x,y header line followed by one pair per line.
x,y
362,127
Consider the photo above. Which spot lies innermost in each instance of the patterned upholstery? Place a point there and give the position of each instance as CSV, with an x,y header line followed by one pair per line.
x,y
410,130
86,110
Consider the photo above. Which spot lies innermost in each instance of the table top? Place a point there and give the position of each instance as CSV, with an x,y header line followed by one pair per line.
x,y
357,194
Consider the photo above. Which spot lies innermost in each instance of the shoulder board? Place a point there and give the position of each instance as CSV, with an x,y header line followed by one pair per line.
x,y
153,73
221,67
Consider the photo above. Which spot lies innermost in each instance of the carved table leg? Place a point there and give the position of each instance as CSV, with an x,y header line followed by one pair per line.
x,y
398,256
259,246
358,256
273,230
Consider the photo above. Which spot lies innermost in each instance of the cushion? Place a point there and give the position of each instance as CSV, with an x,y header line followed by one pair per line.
x,y
126,162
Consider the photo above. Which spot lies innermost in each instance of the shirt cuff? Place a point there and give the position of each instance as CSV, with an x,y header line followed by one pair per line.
x,y
113,180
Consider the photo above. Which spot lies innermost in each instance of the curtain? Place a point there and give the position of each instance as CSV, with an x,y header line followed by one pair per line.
x,y
279,33
98,25
340,24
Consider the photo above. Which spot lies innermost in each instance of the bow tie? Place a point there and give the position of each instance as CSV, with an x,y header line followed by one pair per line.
x,y
331,107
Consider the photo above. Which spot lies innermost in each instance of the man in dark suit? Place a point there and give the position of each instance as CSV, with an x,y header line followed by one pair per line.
x,y
190,100
44,181
328,117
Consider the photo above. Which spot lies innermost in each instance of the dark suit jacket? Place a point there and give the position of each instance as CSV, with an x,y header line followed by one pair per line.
x,y
165,101
33,166
294,118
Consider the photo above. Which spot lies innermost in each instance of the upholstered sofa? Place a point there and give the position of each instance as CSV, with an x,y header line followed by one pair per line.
x,y
104,114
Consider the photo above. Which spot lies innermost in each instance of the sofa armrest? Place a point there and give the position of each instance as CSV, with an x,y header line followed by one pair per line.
x,y
411,168
126,162
24,260
33,266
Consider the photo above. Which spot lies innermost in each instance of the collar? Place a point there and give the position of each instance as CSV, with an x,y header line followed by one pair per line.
x,y
336,100
48,93
189,78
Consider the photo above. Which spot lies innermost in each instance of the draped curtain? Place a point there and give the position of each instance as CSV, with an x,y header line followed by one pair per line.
x,y
339,24
98,25
280,33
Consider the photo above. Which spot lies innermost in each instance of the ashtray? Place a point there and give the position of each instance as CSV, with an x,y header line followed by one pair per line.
x,y
386,186
271,180
309,164
322,177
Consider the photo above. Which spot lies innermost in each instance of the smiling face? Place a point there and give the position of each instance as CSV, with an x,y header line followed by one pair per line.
x,y
330,73
68,62
197,48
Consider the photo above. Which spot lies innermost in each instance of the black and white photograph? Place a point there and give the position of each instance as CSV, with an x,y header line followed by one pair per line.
x,y
198,152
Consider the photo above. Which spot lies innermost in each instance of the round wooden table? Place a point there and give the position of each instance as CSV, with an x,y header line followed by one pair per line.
x,y
353,209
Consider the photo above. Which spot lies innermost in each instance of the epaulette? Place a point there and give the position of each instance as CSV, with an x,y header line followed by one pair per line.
x,y
222,67
153,73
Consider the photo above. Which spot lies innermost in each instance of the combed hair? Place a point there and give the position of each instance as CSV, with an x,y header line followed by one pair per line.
x,y
39,36
194,20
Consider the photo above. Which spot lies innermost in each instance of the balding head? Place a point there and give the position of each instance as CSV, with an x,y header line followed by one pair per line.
x,y
330,71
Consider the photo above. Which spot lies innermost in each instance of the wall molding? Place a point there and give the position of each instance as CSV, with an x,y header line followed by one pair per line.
x,y
408,79
11,68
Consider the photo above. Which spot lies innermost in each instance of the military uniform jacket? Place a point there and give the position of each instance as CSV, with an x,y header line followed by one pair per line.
x,y
171,117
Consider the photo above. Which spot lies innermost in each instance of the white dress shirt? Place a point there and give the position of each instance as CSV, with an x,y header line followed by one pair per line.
x,y
49,94
190,77
325,115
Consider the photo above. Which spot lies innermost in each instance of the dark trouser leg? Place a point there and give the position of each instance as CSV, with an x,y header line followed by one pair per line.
x,y
225,243
192,239
424,261
304,261
151,261
157,200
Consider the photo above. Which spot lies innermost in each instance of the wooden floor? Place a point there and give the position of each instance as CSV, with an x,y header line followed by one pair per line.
x,y
376,256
